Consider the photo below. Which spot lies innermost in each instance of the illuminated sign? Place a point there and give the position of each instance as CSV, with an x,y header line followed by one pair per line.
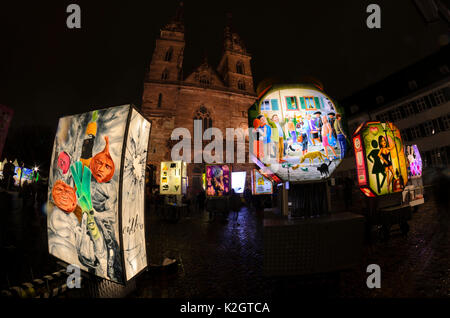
x,y
298,132
380,159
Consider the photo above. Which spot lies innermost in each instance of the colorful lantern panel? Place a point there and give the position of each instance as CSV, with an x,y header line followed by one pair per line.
x,y
218,180
380,159
95,210
298,132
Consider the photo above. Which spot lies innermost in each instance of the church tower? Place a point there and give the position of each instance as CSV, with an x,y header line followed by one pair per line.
x,y
167,60
234,67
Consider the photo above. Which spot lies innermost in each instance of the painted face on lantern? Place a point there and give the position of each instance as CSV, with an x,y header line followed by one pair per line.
x,y
383,143
64,196
64,162
102,165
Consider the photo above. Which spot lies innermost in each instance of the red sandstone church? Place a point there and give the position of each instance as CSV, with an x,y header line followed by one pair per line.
x,y
219,96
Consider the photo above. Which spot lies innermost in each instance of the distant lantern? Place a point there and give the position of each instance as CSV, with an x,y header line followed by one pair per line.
x,y
380,158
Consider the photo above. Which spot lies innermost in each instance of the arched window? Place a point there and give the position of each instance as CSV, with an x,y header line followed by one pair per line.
x,y
159,100
165,75
168,55
240,67
241,85
203,114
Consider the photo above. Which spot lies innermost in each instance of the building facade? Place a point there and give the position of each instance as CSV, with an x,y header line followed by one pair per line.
x,y
417,101
217,97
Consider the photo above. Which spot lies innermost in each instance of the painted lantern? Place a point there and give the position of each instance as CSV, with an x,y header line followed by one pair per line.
x,y
96,192
173,178
380,158
298,132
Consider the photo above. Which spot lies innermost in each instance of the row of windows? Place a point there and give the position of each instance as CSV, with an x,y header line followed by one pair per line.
x,y
437,157
416,106
306,103
427,129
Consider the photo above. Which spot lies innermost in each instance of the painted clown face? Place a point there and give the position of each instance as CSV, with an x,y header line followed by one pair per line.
x,y
102,165
64,196
64,162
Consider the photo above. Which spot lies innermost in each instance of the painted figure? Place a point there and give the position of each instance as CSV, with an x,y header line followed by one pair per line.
x,y
341,137
316,126
326,136
378,167
279,136
385,157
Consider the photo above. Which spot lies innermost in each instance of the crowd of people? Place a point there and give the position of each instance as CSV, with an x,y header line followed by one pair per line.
x,y
296,134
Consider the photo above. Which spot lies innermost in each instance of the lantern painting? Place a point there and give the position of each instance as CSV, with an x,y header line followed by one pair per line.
x,y
380,159
260,183
238,181
173,178
95,210
298,132
414,161
218,180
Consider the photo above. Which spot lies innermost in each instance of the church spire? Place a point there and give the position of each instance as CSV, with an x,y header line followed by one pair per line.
x,y
177,21
231,40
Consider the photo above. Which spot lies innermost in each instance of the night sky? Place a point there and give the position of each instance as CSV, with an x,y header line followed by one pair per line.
x,y
48,70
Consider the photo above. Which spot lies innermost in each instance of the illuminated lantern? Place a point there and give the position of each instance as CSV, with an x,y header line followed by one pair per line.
x,y
292,132
95,210
380,159
173,178
414,161
218,180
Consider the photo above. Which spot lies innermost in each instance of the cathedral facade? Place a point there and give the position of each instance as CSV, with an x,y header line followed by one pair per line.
x,y
220,97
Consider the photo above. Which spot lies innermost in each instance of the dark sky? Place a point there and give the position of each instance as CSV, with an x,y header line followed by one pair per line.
x,y
48,70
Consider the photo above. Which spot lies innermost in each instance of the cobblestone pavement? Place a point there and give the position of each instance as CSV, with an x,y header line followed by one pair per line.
x,y
216,259
219,259
416,265
223,259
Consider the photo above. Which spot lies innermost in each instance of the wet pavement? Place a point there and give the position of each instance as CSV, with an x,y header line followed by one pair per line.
x,y
223,259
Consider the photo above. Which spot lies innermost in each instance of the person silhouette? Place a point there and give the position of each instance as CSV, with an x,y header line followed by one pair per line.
x,y
378,167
